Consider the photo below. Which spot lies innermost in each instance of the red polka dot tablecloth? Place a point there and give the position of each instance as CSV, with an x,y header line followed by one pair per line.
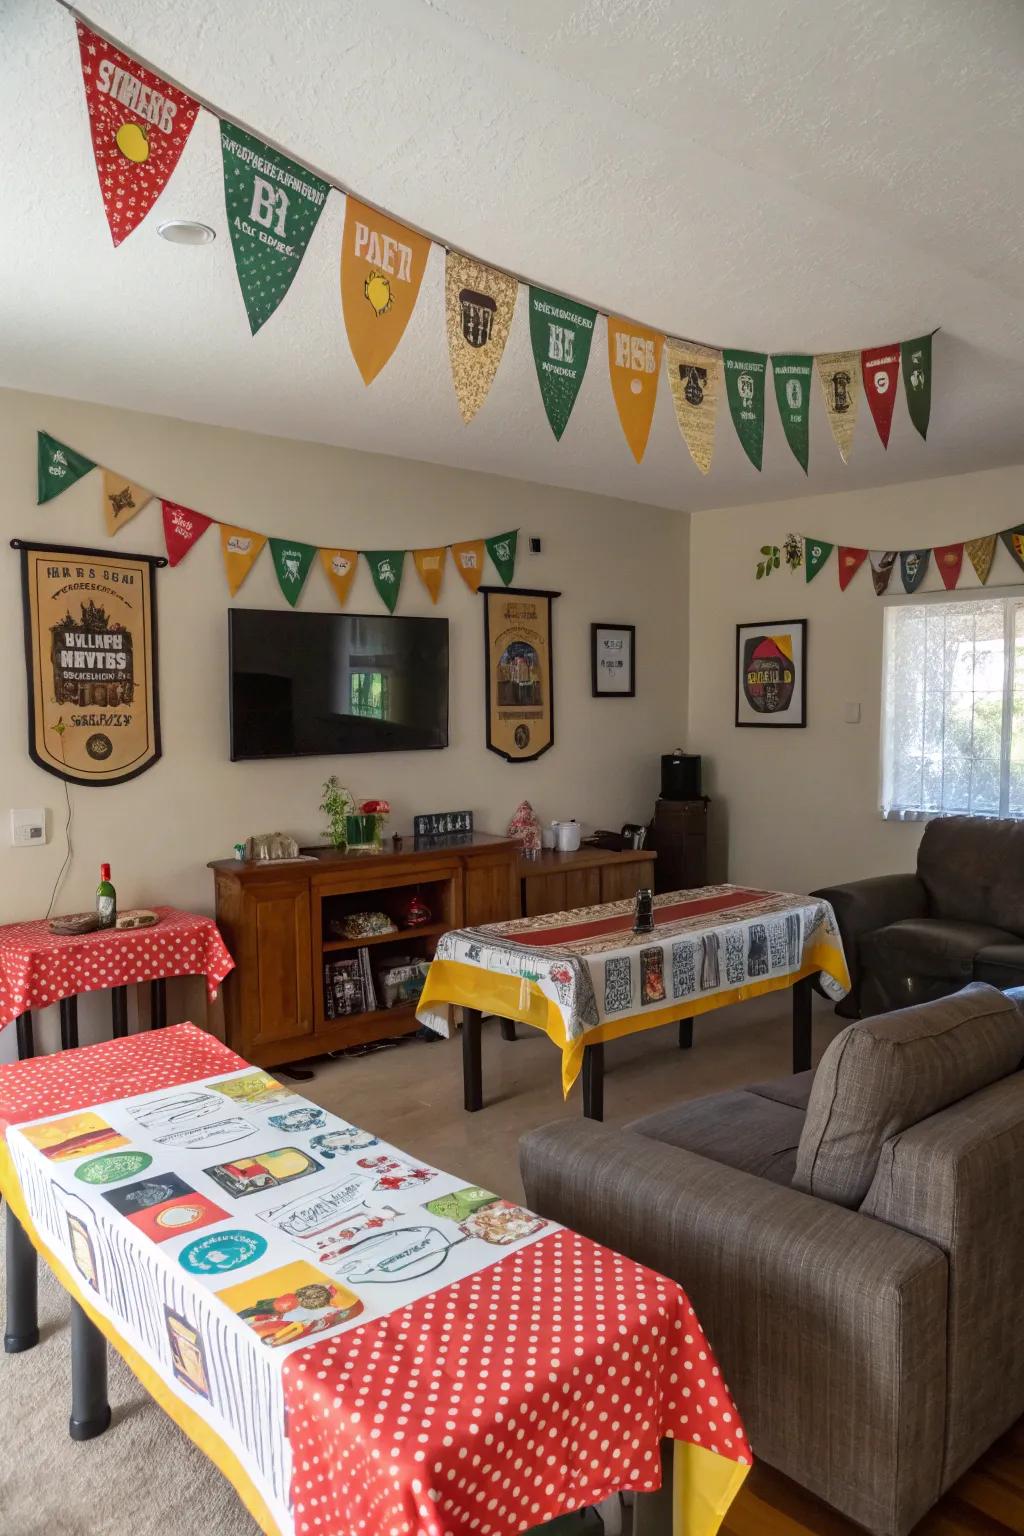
x,y
38,967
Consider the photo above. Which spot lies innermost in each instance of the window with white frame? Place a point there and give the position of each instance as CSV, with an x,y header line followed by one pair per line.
x,y
953,709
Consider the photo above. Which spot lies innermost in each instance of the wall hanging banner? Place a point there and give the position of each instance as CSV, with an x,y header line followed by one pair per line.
x,y
917,380
949,558
560,333
139,126
839,373
744,389
816,553
850,562
90,644
880,367
469,562
58,466
272,206
182,529
479,304
792,374
502,550
634,357
694,374
122,500
292,562
520,672
386,570
1013,538
382,267
913,567
340,569
430,568
240,548
883,562
981,552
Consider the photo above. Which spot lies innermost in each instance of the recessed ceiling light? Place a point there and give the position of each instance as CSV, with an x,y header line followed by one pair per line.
x,y
186,232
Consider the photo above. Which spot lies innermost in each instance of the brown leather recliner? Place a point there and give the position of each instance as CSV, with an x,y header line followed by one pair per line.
x,y
960,918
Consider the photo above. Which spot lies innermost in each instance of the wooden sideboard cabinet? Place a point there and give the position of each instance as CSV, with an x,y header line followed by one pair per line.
x,y
560,882
279,922
680,835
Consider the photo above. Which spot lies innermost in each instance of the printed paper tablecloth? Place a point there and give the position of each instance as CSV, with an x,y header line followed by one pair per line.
x,y
362,1343
38,967
585,976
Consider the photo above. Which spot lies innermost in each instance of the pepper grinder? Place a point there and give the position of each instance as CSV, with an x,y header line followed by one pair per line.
x,y
643,919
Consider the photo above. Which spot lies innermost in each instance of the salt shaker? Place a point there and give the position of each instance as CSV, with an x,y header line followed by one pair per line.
x,y
643,919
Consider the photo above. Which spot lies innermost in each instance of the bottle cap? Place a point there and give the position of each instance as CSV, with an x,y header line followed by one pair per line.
x,y
104,871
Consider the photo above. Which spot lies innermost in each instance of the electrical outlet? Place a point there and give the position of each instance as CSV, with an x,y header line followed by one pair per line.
x,y
28,829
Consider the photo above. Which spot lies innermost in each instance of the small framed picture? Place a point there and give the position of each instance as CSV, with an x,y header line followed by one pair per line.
x,y
771,673
613,661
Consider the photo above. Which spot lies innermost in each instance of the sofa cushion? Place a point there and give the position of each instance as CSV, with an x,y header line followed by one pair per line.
x,y
1002,965
741,1129
882,1075
973,870
794,1091
928,946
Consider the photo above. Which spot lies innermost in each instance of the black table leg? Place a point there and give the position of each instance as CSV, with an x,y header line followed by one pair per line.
x,y
593,1081
90,1409
68,1023
118,1012
21,1329
158,1003
685,1034
802,994
26,1037
508,1029
472,1065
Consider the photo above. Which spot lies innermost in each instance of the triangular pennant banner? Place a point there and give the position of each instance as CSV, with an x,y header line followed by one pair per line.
x,y
839,373
430,567
340,569
949,558
560,334
816,553
272,206
479,304
240,548
182,529
744,389
913,567
791,372
291,562
917,380
382,267
502,550
883,562
634,357
58,466
139,125
122,500
386,570
880,367
981,552
469,562
1013,538
850,561
694,376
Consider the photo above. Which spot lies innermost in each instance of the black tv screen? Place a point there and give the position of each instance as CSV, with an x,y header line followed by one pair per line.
x,y
311,684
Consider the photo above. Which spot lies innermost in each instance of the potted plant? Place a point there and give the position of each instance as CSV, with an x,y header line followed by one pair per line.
x,y
337,805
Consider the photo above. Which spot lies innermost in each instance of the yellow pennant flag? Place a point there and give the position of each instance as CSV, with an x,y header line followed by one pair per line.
x,y
839,373
340,569
694,374
430,565
479,304
634,358
240,547
382,266
469,562
122,499
981,552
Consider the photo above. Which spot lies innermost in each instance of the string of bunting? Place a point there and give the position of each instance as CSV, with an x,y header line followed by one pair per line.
x,y
60,467
909,566
140,125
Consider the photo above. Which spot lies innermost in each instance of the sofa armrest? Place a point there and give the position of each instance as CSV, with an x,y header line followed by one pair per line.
x,y
829,1326
861,906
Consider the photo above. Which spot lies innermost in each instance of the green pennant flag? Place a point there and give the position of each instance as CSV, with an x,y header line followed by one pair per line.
x,y
386,570
816,553
502,550
292,562
792,374
744,387
272,207
561,331
59,466
916,361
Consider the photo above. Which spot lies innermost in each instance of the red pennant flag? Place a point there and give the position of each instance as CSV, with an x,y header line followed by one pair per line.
x,y
850,562
139,126
182,529
949,558
880,368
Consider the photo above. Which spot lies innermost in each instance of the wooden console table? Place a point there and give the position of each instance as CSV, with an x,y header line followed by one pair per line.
x,y
563,882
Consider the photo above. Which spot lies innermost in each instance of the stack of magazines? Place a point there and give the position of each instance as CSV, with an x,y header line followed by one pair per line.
x,y
348,986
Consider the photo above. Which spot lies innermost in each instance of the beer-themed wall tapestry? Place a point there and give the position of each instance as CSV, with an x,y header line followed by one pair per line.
x,y
91,657
519,671
771,673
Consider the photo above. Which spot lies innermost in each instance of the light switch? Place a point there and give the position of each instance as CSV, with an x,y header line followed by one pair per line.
x,y
852,714
28,829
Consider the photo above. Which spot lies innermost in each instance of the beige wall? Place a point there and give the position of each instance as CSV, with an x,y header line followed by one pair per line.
x,y
613,561
799,808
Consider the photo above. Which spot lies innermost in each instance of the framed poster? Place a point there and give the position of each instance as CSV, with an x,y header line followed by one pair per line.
x,y
771,673
613,661
519,671
91,657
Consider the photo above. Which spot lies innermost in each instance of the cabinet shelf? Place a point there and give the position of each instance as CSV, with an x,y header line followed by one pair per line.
x,y
397,936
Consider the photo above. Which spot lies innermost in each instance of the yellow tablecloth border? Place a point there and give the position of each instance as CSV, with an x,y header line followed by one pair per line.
x,y
704,1485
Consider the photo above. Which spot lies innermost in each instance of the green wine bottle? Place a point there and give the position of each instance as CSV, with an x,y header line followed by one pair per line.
x,y
106,899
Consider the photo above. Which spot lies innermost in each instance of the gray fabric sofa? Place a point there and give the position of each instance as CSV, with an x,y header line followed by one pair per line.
x,y
852,1241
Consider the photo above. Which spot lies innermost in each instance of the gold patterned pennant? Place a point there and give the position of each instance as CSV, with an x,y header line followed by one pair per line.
x,y
479,304
981,553
839,373
694,374
122,500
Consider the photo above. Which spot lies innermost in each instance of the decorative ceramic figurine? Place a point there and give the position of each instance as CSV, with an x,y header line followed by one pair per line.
x,y
525,825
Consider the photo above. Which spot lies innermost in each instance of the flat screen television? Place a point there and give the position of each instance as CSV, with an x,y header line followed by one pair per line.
x,y
312,684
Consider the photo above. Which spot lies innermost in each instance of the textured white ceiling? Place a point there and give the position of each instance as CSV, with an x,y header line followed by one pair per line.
x,y
786,176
